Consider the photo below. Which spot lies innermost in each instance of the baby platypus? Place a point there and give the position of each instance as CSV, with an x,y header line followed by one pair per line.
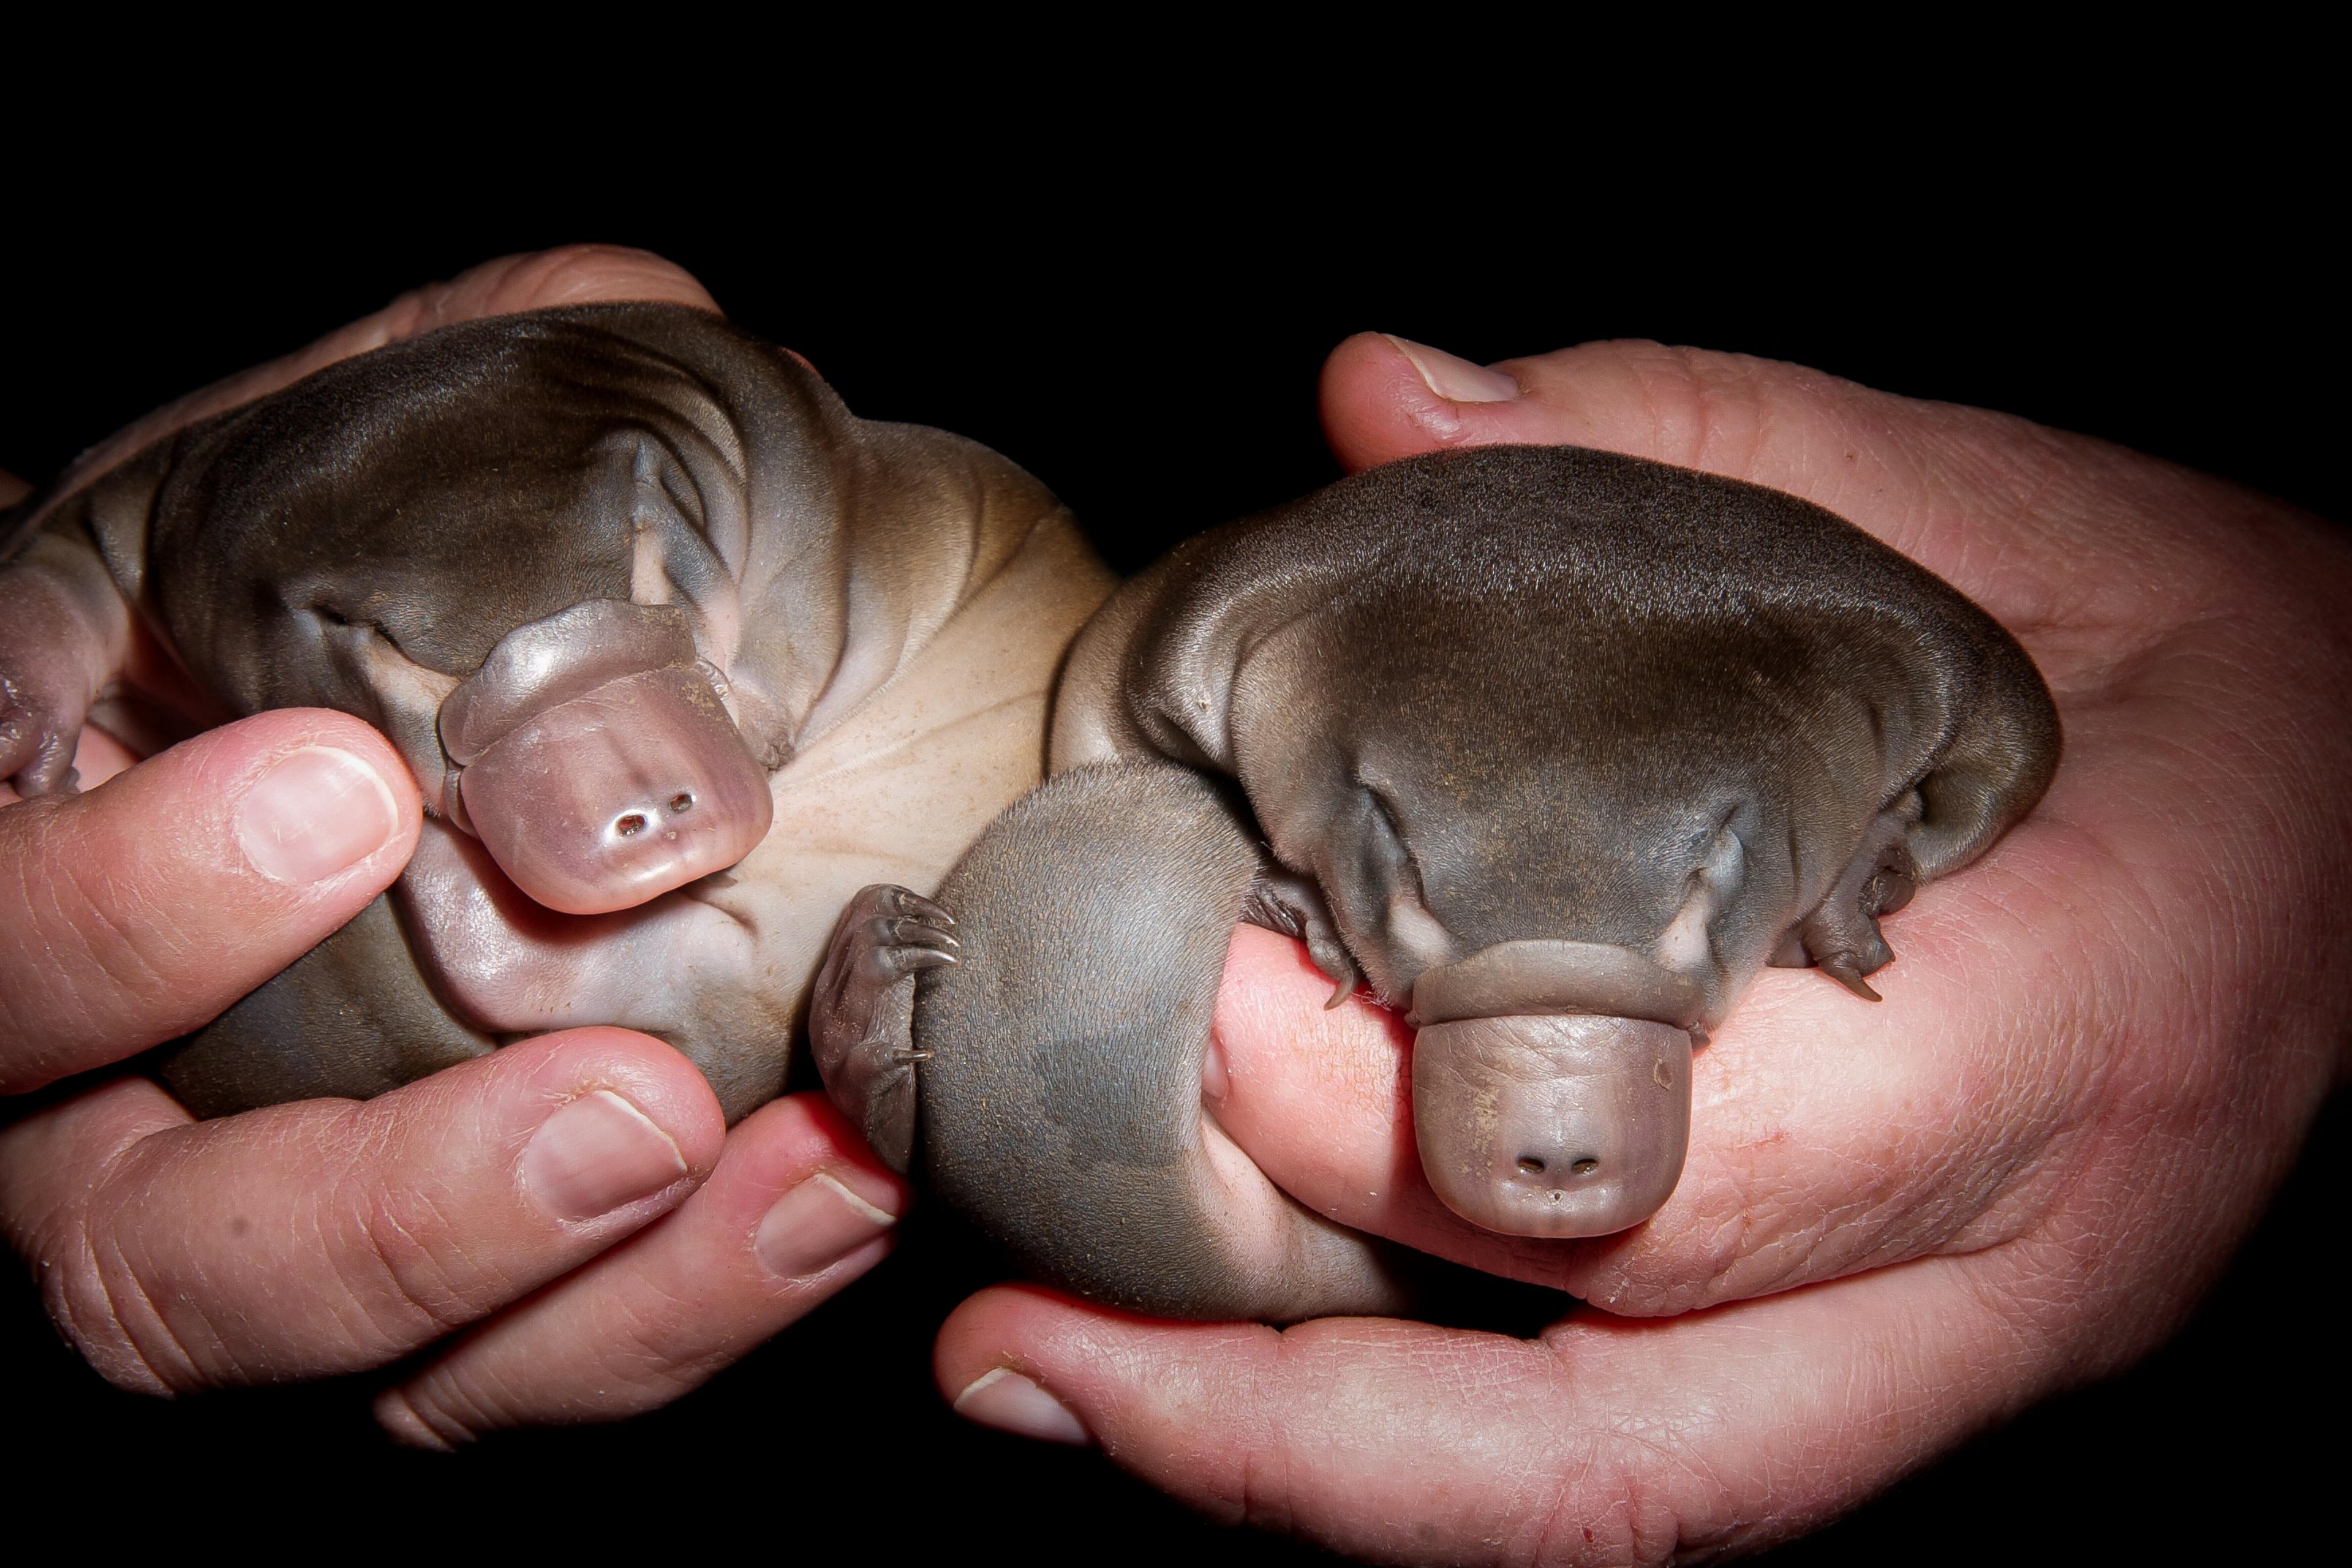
x,y
680,653
1554,748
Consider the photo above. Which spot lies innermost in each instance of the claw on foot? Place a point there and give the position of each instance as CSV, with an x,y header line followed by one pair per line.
x,y
908,931
913,904
1332,957
1842,968
897,962
1285,901
861,1014
1842,935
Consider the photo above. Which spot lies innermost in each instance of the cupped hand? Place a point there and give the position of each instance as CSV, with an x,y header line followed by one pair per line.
x,y
2099,1051
574,1201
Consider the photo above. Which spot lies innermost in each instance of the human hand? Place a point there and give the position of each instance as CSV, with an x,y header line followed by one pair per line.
x,y
574,1199
1900,1224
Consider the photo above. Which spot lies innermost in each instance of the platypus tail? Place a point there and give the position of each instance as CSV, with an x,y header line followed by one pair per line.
x,y
1058,1060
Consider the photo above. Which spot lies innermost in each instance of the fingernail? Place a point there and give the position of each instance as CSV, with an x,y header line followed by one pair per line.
x,y
1009,1402
1456,380
815,1227
597,1153
315,812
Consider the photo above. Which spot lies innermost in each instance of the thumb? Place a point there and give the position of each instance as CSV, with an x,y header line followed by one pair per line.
x,y
2003,509
1606,1441
1386,397
140,910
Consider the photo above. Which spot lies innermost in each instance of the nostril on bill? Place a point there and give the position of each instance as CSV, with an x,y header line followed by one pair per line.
x,y
607,800
1532,1165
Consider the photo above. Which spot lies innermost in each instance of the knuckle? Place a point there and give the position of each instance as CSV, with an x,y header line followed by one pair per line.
x,y
1628,1490
1692,407
581,273
662,1349
643,1360
403,1264
1596,1511
113,1321
434,1414
81,932
1709,408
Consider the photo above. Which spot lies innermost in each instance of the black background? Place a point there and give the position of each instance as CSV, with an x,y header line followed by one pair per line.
x,y
1147,343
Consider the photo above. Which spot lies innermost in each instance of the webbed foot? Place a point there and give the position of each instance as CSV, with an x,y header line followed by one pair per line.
x,y
1283,900
1842,935
861,1013
36,750
43,701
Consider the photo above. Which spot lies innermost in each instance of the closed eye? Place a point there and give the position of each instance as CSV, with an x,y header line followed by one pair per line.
x,y
407,693
1384,821
1418,938
359,626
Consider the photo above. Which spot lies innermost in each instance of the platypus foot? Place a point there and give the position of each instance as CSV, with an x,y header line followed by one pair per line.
x,y
1842,934
38,733
1283,900
861,1013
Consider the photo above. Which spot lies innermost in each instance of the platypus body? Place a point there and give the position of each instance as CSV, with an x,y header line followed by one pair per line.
x,y
680,653
1553,748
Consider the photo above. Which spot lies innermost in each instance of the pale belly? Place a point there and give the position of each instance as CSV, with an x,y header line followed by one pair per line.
x,y
893,793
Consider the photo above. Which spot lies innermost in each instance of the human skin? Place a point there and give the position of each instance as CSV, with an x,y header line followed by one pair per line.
x,y
2100,1049
551,1198
1730,1426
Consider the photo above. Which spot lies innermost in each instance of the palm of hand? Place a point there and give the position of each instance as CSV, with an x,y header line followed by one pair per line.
x,y
497,1195
2099,1049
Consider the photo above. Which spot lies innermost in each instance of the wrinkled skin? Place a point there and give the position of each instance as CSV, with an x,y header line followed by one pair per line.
x,y
1543,733
1611,1440
2098,1054
603,1261
1553,748
623,585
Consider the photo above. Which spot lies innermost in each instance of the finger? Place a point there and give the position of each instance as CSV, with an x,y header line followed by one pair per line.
x,y
569,275
1603,1441
1828,1134
329,1235
2006,509
795,1211
1820,1139
138,910
1384,398
2043,1023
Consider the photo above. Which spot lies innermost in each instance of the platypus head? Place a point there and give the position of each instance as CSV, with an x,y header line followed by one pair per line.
x,y
595,762
1565,887
517,545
